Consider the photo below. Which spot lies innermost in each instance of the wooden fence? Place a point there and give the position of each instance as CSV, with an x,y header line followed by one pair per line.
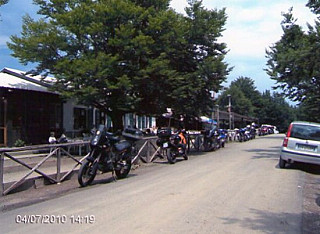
x,y
146,150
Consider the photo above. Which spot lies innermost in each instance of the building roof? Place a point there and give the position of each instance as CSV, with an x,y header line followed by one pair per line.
x,y
15,79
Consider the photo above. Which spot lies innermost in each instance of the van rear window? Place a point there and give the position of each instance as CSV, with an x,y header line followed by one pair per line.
x,y
305,132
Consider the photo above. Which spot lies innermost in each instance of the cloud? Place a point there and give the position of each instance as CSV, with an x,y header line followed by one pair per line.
x,y
179,5
250,30
252,27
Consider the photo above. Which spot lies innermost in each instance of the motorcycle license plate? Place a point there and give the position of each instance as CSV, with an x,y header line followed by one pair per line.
x,y
165,145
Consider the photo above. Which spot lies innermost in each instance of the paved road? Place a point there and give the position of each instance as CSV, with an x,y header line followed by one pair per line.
x,y
239,189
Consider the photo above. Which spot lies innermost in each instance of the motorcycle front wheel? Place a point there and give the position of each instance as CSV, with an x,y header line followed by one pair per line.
x,y
87,173
185,156
123,167
171,156
207,145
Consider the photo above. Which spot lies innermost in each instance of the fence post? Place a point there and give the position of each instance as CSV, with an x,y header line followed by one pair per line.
x,y
58,165
1,173
148,151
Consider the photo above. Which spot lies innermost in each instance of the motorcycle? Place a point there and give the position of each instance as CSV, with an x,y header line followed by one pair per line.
x,y
253,132
172,145
237,134
222,138
210,140
247,133
242,135
108,154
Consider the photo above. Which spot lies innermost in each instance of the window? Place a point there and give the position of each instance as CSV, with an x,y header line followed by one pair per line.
x,y
305,132
80,118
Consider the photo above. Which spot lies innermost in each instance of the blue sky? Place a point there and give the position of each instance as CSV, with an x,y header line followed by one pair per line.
x,y
252,27
10,24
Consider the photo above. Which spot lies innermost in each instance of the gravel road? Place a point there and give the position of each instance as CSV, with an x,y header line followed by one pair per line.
x,y
238,189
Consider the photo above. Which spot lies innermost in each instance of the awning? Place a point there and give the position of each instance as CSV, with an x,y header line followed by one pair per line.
x,y
205,119
12,81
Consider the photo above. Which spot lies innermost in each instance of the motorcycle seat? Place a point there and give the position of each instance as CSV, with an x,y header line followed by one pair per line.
x,y
112,137
122,145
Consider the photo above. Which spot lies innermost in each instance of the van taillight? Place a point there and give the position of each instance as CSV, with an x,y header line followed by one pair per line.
x,y
286,139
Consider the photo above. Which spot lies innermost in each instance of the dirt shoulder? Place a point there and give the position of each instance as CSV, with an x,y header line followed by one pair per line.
x,y
47,192
311,204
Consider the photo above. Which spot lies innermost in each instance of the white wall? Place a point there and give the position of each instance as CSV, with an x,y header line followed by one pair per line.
x,y
68,118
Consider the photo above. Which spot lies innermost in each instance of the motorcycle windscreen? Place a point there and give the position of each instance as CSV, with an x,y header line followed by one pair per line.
x,y
98,135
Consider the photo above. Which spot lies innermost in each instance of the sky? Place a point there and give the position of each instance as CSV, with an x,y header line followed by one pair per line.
x,y
252,27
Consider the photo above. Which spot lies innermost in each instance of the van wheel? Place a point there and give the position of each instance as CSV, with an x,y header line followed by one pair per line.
x,y
282,163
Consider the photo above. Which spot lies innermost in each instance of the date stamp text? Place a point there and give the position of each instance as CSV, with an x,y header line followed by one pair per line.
x,y
55,219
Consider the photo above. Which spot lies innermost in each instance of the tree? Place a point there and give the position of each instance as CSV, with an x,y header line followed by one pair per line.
x,y
248,88
190,67
2,2
95,49
201,64
126,55
268,108
314,5
276,111
240,104
293,62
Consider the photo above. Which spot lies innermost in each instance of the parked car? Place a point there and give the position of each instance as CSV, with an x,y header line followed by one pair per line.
x,y
268,129
301,144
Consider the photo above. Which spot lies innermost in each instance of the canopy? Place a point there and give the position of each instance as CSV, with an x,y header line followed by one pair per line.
x,y
205,119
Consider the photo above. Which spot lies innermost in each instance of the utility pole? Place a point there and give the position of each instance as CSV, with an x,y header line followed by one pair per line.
x,y
218,117
229,110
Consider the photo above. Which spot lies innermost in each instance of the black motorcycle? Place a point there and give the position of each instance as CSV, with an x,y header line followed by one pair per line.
x,y
108,154
171,144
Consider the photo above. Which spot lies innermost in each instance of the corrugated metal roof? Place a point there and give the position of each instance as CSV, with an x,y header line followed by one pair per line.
x,y
15,79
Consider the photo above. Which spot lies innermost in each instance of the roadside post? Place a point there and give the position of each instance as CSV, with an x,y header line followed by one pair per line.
x,y
1,173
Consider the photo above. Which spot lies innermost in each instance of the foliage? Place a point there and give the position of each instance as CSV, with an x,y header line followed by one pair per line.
x,y
293,62
127,55
239,102
199,60
268,108
19,143
2,2
248,88
314,5
276,111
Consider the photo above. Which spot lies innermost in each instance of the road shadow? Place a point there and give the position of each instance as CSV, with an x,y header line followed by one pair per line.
x,y
272,222
193,153
306,167
318,199
165,161
269,153
273,136
106,178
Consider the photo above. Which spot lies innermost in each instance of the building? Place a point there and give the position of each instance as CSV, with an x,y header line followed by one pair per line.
x,y
29,111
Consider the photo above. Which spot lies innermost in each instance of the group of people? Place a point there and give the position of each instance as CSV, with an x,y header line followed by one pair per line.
x,y
53,140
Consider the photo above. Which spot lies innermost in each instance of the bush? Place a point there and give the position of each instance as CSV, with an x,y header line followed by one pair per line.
x,y
19,143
